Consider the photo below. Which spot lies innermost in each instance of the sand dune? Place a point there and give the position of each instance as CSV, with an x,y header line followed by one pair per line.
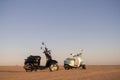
x,y
91,73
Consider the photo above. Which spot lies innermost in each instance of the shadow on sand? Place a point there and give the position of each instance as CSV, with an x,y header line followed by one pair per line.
x,y
10,71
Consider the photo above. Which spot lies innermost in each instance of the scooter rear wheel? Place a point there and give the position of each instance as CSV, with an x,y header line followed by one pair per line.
x,y
28,67
67,67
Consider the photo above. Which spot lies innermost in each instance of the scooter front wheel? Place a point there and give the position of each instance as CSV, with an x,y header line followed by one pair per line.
x,y
53,67
83,66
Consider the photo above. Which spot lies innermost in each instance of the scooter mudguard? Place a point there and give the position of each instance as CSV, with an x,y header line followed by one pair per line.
x,y
53,62
82,63
49,62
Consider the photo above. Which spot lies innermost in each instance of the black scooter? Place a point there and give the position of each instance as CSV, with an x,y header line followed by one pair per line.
x,y
32,63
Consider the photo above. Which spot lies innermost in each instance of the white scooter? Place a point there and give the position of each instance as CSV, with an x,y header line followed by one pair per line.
x,y
74,62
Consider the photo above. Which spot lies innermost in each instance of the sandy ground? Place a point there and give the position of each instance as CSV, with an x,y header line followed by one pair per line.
x,y
91,73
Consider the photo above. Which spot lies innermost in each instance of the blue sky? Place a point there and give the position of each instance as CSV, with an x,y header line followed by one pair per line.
x,y
66,26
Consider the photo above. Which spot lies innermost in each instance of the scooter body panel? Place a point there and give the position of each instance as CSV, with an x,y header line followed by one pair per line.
x,y
69,62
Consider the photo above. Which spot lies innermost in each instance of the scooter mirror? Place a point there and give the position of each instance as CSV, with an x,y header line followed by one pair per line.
x,y
80,53
43,43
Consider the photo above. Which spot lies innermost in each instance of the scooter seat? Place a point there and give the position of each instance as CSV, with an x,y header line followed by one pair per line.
x,y
70,59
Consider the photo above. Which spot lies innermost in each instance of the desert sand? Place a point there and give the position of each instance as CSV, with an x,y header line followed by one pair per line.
x,y
91,73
